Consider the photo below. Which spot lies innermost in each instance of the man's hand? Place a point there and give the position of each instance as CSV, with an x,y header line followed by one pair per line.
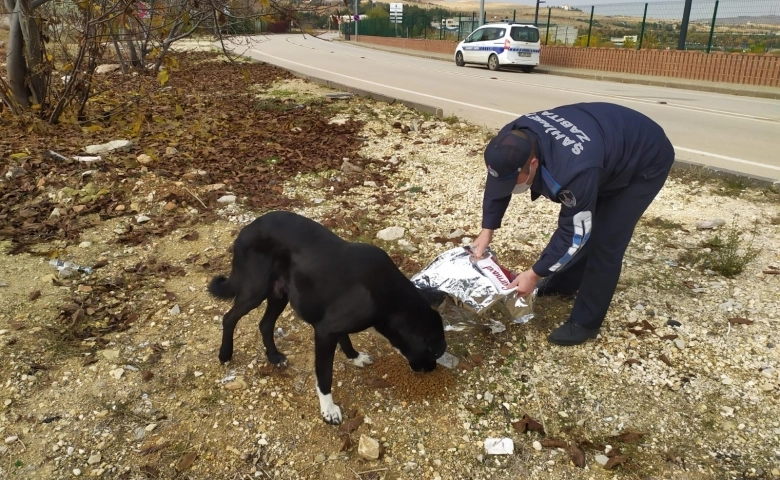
x,y
481,243
525,283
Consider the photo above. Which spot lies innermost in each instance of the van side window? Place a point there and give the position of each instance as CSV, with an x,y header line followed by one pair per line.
x,y
477,35
525,34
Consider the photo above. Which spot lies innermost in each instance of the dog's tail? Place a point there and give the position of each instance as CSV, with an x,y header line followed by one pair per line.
x,y
221,287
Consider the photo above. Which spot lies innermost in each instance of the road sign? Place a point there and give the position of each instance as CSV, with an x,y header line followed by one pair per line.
x,y
396,12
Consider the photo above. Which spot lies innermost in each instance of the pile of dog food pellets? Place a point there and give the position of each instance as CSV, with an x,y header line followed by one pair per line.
x,y
393,372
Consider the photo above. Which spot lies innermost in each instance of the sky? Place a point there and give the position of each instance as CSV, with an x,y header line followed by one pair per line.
x,y
662,8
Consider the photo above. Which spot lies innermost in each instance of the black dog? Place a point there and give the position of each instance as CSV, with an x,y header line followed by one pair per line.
x,y
338,287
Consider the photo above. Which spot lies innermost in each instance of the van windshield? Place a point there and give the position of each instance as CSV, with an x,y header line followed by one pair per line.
x,y
525,34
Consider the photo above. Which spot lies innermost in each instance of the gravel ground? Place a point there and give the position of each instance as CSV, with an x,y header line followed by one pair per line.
x,y
682,383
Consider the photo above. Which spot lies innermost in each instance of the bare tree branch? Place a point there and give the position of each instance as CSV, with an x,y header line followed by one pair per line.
x,y
37,3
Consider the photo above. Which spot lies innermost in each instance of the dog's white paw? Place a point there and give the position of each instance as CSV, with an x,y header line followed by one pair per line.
x,y
331,412
362,360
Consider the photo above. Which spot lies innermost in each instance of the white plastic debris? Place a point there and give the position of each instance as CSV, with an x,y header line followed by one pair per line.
x,y
499,446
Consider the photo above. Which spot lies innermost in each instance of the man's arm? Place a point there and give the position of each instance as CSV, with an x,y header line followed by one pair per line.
x,y
493,210
574,223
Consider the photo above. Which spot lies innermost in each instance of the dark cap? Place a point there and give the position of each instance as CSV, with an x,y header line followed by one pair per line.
x,y
505,155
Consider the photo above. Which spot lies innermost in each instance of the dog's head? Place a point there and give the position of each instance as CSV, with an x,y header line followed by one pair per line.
x,y
419,336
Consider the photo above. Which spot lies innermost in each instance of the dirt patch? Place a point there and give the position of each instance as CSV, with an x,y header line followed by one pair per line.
x,y
115,374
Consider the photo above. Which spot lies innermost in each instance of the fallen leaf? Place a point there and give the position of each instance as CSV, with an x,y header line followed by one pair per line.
x,y
35,295
38,366
647,325
669,337
155,447
553,443
740,321
100,264
632,361
615,461
170,296
576,455
590,445
629,436
146,375
377,383
665,359
89,360
527,424
614,452
186,461
476,410
150,471
466,365
191,236
345,444
477,359
351,425
16,325
85,288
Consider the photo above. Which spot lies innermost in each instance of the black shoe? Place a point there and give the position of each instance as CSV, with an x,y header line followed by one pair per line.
x,y
570,334
542,290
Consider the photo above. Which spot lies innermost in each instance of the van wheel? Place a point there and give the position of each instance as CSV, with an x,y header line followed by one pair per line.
x,y
527,69
493,62
459,59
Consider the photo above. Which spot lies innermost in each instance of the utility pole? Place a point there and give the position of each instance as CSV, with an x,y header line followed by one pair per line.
x,y
481,12
536,16
684,25
357,16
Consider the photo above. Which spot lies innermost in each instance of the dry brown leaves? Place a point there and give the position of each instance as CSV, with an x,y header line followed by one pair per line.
x,y
527,424
208,113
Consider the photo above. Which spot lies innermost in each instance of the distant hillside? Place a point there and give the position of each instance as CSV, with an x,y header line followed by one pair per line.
x,y
745,19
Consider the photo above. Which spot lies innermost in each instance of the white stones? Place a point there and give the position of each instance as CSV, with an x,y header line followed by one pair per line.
x,y
227,199
111,146
144,159
500,446
93,459
391,233
710,224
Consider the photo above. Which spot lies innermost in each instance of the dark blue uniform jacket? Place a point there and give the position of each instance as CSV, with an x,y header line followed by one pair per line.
x,y
585,151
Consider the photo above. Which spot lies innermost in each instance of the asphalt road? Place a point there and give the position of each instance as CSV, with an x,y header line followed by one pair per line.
x,y
729,132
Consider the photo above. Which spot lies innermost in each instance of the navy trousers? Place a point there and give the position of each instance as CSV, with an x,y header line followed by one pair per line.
x,y
595,270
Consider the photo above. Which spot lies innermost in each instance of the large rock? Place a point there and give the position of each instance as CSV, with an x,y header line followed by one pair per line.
x,y
368,448
111,146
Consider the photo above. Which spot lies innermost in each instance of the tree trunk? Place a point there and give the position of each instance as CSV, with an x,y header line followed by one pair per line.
x,y
119,56
16,66
34,53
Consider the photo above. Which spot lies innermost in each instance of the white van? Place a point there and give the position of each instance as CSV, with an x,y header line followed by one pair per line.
x,y
501,45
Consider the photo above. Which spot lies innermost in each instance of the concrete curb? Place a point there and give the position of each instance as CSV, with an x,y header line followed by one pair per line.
x,y
421,107
662,83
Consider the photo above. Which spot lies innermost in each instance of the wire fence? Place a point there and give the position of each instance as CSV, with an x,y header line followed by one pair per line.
x,y
750,26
